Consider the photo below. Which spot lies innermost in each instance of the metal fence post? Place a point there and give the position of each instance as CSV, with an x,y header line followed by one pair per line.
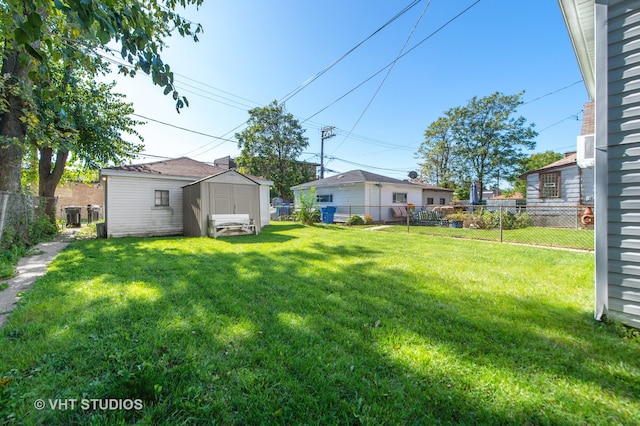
x,y
500,223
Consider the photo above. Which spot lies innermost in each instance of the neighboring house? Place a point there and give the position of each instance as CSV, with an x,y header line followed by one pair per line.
x,y
606,38
568,182
147,199
560,184
358,192
434,195
78,194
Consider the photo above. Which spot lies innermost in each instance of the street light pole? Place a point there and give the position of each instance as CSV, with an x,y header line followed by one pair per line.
x,y
325,133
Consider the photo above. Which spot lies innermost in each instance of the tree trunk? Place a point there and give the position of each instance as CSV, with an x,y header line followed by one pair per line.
x,y
49,177
12,129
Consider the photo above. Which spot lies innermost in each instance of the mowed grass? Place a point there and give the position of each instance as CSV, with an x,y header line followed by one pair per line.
x,y
580,239
317,325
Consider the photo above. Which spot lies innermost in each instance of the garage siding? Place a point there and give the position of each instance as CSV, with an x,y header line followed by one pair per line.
x,y
131,209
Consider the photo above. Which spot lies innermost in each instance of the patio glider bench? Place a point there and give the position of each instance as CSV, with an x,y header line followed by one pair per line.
x,y
432,218
400,212
231,224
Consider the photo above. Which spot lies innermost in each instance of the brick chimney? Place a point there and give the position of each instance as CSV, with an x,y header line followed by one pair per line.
x,y
588,119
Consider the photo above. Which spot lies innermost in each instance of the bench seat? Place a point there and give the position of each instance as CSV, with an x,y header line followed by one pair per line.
x,y
231,224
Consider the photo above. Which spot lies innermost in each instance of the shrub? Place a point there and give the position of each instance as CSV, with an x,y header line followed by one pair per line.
x,y
368,219
42,229
355,220
491,220
308,212
523,220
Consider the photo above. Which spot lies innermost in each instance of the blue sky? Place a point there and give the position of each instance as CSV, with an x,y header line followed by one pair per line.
x,y
254,52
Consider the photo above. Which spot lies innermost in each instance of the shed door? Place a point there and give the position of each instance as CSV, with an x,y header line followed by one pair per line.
x,y
226,198
221,198
244,196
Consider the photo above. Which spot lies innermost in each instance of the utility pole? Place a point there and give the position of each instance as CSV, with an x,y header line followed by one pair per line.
x,y
325,133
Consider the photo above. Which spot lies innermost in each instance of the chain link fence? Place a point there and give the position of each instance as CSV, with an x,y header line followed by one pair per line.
x,y
498,220
18,212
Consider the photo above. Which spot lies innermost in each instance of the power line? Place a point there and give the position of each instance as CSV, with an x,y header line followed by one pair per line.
x,y
552,93
184,129
367,166
179,84
563,120
320,73
386,76
218,89
400,57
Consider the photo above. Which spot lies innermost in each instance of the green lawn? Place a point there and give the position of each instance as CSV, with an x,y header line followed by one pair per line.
x,y
317,325
581,239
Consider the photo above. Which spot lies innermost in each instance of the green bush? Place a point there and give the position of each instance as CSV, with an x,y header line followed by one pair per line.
x,y
491,220
308,212
42,229
355,220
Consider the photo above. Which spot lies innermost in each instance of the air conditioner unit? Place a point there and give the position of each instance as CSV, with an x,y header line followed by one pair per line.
x,y
586,151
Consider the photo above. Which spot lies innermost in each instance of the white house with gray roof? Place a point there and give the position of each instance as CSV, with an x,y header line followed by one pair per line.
x,y
361,193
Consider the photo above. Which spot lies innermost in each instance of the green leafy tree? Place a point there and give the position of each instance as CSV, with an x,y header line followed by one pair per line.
x,y
270,146
489,139
485,140
40,36
436,153
89,134
532,162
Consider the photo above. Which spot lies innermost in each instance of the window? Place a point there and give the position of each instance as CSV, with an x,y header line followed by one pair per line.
x,y
162,198
549,185
443,201
325,198
429,201
400,197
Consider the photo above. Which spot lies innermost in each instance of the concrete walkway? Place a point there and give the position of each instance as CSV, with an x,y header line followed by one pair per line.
x,y
30,268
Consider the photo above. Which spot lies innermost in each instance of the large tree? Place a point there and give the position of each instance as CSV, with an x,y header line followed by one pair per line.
x,y
436,153
270,146
485,139
38,36
88,130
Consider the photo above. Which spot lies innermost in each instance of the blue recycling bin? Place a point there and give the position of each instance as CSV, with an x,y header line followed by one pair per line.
x,y
327,213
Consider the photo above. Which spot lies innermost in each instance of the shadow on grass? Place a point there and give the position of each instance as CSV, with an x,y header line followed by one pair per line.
x,y
268,234
327,333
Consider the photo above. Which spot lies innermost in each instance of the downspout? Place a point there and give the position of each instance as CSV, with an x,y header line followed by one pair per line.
x,y
379,185
105,198
601,169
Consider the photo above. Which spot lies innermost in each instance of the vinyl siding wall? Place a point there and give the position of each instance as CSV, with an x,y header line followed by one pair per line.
x,y
571,180
366,199
349,199
623,160
131,210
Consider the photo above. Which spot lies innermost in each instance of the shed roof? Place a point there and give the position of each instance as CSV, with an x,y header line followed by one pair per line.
x,y
252,179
